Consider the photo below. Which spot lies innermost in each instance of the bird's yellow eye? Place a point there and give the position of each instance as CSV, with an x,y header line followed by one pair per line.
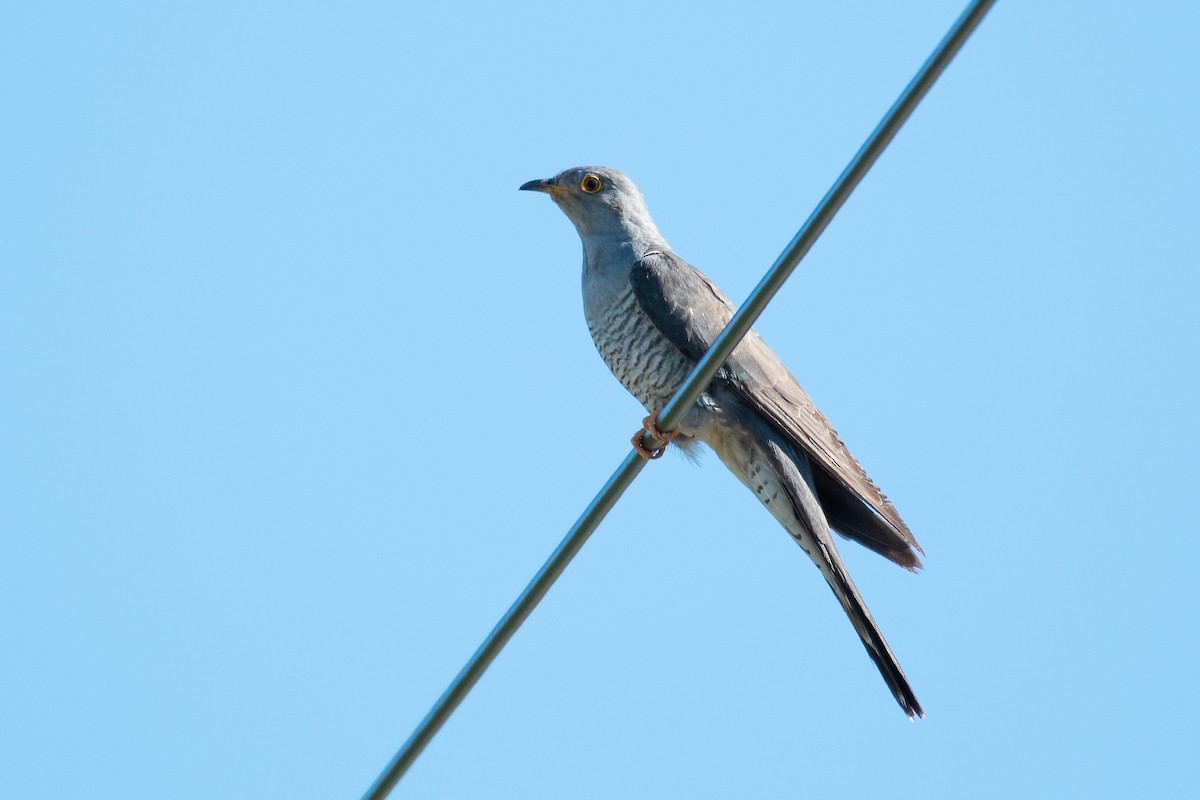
x,y
591,184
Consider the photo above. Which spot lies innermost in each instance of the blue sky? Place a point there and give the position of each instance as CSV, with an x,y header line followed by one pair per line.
x,y
298,395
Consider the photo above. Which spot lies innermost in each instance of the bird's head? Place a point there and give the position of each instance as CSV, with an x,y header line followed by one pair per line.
x,y
600,201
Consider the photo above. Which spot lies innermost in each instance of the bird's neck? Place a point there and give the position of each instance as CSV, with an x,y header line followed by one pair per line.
x,y
622,245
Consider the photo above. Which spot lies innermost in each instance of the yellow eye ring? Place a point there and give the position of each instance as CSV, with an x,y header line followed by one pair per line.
x,y
591,183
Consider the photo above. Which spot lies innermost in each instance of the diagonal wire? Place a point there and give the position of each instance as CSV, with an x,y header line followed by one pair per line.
x,y
674,411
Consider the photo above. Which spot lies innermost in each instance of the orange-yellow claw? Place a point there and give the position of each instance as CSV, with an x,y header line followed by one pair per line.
x,y
649,425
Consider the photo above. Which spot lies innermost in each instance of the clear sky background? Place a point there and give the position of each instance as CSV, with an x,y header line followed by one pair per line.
x,y
297,396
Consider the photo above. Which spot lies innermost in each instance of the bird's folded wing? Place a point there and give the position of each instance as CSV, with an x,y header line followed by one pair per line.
x,y
691,312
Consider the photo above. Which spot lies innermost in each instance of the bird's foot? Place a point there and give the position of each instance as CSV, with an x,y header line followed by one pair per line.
x,y
650,426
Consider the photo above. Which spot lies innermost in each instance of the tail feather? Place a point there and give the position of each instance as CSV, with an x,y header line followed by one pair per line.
x,y
872,639
796,475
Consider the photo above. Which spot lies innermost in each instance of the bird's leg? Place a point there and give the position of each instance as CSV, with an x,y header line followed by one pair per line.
x,y
650,426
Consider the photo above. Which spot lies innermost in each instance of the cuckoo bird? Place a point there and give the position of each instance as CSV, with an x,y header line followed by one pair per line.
x,y
652,316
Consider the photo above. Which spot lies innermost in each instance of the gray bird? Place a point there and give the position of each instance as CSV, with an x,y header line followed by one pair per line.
x,y
652,316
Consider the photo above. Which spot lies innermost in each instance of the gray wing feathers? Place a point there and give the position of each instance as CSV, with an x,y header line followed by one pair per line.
x,y
691,311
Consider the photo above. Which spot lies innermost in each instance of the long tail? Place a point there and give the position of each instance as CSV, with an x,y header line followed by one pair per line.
x,y
794,473
872,638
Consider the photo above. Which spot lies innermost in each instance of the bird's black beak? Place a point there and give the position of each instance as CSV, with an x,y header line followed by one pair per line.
x,y
546,185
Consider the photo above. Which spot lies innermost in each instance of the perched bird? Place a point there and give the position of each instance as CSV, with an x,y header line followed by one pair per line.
x,y
652,316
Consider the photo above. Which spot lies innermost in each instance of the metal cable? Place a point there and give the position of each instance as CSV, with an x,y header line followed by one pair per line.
x,y
674,411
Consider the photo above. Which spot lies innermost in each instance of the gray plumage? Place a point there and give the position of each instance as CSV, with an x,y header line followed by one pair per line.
x,y
652,316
